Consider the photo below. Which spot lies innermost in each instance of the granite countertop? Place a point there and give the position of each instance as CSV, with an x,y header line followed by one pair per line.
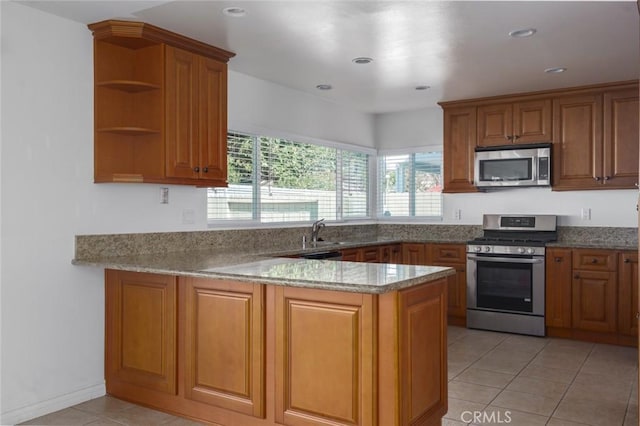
x,y
263,268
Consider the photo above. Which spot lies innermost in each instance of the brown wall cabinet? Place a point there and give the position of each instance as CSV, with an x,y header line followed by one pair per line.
x,y
160,106
517,123
459,149
594,131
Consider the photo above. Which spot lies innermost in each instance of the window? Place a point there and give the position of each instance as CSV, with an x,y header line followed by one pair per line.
x,y
410,185
278,180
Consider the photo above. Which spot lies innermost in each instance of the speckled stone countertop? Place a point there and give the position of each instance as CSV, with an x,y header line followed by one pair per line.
x,y
261,267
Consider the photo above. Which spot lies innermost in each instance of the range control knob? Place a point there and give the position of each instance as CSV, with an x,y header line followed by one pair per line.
x,y
487,249
521,250
530,250
478,248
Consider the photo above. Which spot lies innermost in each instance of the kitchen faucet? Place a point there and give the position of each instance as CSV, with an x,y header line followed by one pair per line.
x,y
315,229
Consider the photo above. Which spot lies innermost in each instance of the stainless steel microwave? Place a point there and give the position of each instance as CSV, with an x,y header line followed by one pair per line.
x,y
513,165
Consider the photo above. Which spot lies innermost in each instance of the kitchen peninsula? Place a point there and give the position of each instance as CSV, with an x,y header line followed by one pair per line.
x,y
251,339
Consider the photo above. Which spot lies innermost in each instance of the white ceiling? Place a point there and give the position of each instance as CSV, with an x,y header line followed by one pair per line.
x,y
461,49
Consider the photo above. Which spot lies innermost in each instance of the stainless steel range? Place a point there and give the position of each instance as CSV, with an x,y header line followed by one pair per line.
x,y
505,273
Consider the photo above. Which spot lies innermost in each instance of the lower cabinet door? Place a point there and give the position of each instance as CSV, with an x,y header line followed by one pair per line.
x,y
324,357
140,330
224,344
594,301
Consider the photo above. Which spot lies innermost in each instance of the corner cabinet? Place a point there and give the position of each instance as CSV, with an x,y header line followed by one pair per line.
x,y
160,102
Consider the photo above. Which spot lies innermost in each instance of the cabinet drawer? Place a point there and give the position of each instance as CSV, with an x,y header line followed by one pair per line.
x,y
447,253
595,260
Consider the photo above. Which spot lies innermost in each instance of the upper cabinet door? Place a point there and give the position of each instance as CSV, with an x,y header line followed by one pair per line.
x,y
577,141
621,138
514,123
532,121
212,110
458,149
181,114
495,124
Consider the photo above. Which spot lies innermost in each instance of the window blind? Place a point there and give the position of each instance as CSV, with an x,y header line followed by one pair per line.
x,y
410,185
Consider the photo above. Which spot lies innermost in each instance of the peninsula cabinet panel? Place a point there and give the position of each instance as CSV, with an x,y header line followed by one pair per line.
x,y
558,288
224,344
514,123
628,294
621,138
594,301
140,330
459,149
412,376
324,357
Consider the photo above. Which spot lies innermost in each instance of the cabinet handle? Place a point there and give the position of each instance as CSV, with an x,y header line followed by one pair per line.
x,y
196,169
597,178
516,137
205,170
607,177
637,315
627,260
508,137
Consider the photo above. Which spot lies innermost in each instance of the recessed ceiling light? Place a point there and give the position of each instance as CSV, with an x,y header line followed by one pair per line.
x,y
555,70
362,60
324,87
526,32
235,12
424,87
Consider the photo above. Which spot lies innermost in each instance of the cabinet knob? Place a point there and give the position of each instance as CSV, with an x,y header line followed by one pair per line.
x,y
607,177
576,276
627,260
205,170
594,260
597,178
508,137
557,259
196,169
637,315
516,137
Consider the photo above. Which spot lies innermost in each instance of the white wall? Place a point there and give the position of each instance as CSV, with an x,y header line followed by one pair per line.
x,y
52,312
424,127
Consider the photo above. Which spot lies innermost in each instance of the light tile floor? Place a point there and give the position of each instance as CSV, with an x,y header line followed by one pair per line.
x,y
494,378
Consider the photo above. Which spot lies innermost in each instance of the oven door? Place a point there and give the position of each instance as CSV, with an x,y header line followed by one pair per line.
x,y
506,283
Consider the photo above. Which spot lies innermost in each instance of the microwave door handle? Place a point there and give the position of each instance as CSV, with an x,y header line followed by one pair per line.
x,y
504,259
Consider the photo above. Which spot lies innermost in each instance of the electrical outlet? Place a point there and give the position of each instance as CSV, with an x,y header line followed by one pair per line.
x,y
457,214
164,195
585,213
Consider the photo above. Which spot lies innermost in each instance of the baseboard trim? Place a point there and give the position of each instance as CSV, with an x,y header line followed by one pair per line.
x,y
51,405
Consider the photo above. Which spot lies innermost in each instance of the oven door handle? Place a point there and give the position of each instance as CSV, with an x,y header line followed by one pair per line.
x,y
504,259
